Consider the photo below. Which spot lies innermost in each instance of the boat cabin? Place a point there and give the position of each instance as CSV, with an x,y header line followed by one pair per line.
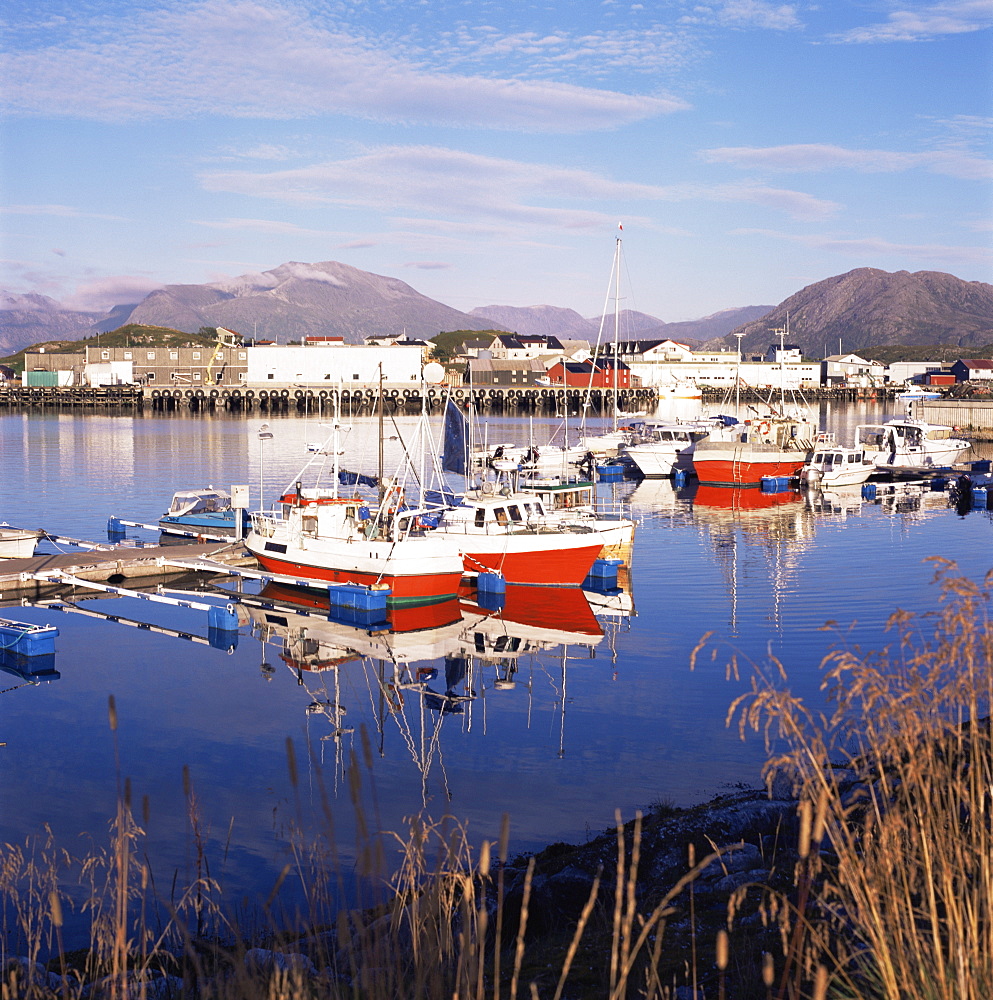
x,y
209,500
488,511
650,432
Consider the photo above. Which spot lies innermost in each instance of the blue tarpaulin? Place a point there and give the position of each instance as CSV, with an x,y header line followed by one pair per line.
x,y
455,456
356,479
442,498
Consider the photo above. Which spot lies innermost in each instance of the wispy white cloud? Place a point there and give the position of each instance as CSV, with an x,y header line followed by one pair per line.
x,y
650,48
61,211
874,248
470,186
923,22
814,157
745,14
272,227
429,265
103,294
242,58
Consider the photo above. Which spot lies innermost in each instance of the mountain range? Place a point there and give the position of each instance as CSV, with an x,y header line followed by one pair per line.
x,y
860,309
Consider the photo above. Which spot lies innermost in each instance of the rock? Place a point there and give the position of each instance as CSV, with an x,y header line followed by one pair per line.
x,y
33,974
263,960
729,883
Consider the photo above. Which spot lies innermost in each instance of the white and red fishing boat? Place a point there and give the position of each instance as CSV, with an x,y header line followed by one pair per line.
x,y
329,539
573,501
742,454
318,535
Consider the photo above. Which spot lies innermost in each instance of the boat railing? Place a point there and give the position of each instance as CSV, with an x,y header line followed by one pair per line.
x,y
264,522
611,509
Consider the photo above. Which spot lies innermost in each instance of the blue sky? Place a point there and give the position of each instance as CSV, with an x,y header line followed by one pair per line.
x,y
485,152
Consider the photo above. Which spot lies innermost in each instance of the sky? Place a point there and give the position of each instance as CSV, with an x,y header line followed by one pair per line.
x,y
487,152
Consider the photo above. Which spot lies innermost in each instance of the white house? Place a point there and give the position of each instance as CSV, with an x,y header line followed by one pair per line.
x,y
97,373
913,371
346,364
850,369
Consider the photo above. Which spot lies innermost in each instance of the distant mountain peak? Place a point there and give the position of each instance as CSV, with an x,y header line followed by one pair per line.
x,y
867,308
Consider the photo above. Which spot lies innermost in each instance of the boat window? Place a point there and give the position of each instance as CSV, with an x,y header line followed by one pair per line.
x,y
309,524
818,457
480,517
501,515
839,458
515,512
528,510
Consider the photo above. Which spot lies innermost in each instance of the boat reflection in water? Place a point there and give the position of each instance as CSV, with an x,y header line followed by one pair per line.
x,y
419,666
747,526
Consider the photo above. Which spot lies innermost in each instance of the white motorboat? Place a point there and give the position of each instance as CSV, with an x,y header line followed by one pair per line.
x,y
833,465
906,443
658,448
18,543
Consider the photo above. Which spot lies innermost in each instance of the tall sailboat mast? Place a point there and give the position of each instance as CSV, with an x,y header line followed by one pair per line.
x,y
617,316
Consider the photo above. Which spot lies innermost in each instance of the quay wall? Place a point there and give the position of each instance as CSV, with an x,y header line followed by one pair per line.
x,y
974,418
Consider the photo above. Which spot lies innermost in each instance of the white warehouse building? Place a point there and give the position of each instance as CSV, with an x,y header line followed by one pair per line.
x,y
281,367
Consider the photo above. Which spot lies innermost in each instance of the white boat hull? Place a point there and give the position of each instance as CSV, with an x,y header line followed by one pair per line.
x,y
18,543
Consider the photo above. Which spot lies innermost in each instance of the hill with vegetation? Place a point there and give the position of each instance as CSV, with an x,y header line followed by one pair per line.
x,y
866,310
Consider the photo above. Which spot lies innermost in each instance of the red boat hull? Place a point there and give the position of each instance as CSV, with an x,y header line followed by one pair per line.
x,y
745,468
422,588
547,568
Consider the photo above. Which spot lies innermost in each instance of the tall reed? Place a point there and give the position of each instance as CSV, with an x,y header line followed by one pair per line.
x,y
894,884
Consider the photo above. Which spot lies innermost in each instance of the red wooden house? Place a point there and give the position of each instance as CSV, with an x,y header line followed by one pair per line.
x,y
596,373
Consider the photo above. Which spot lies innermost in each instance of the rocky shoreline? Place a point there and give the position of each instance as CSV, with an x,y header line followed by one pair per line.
x,y
740,842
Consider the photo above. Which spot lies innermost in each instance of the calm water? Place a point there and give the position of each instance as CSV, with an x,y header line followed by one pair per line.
x,y
589,714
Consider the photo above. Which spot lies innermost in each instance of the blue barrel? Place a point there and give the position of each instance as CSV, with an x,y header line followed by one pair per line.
x,y
491,583
868,491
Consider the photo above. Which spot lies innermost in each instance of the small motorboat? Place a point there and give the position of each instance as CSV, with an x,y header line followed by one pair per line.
x,y
205,511
915,444
833,465
18,543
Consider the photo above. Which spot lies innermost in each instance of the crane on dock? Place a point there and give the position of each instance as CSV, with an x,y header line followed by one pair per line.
x,y
225,339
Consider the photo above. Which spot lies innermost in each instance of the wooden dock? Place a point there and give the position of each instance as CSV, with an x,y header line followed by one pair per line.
x,y
144,565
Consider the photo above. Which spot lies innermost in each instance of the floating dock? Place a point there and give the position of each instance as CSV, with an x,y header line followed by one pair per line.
x,y
19,577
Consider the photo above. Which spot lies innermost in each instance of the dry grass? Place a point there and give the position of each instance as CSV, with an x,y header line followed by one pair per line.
x,y
890,899
894,886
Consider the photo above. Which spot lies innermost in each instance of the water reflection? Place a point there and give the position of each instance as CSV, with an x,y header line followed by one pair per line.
x,y
421,666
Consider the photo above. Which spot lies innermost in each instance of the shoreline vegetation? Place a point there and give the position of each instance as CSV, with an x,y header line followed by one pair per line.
x,y
863,871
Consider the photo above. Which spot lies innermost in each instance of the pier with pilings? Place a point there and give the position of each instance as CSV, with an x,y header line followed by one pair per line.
x,y
364,399
357,399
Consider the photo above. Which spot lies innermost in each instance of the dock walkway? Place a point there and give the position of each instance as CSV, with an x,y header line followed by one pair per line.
x,y
111,565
